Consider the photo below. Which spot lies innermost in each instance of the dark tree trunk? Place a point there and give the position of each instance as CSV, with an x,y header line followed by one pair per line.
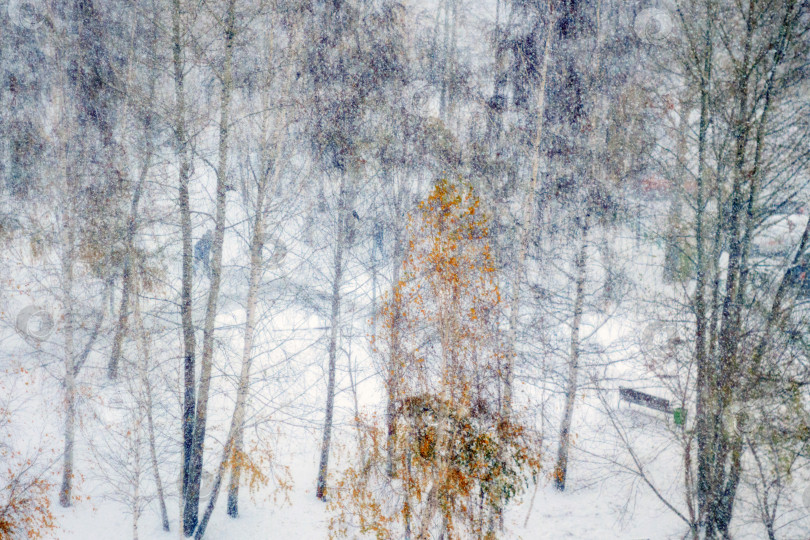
x,y
561,468
189,339
191,510
333,337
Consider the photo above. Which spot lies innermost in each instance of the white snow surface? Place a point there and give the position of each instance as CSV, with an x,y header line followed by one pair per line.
x,y
603,500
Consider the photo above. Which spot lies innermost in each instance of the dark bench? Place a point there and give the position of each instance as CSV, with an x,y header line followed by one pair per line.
x,y
653,402
647,400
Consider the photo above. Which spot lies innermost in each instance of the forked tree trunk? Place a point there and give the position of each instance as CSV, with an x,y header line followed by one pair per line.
x,y
191,510
233,442
189,339
561,468
238,419
731,445
256,247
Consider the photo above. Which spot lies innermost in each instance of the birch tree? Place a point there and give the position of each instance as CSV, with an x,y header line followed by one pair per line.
x,y
191,493
273,130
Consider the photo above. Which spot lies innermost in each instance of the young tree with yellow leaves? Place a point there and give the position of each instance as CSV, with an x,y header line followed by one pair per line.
x,y
456,459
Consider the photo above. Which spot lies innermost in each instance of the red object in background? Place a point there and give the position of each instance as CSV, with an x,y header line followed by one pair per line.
x,y
654,183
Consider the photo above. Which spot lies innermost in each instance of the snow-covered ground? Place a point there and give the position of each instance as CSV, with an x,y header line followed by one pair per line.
x,y
605,499
593,508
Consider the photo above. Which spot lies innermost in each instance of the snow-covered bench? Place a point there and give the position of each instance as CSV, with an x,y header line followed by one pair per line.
x,y
647,400
653,402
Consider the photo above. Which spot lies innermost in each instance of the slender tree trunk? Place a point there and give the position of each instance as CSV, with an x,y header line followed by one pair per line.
x,y
334,322
443,91
191,510
126,285
68,262
146,387
136,457
73,361
184,158
66,491
256,247
120,150
523,231
395,360
247,351
702,326
561,468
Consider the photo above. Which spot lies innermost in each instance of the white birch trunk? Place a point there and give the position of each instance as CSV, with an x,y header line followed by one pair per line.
x,y
256,247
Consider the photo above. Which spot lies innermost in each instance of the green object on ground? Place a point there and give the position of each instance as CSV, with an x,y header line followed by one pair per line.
x,y
679,415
